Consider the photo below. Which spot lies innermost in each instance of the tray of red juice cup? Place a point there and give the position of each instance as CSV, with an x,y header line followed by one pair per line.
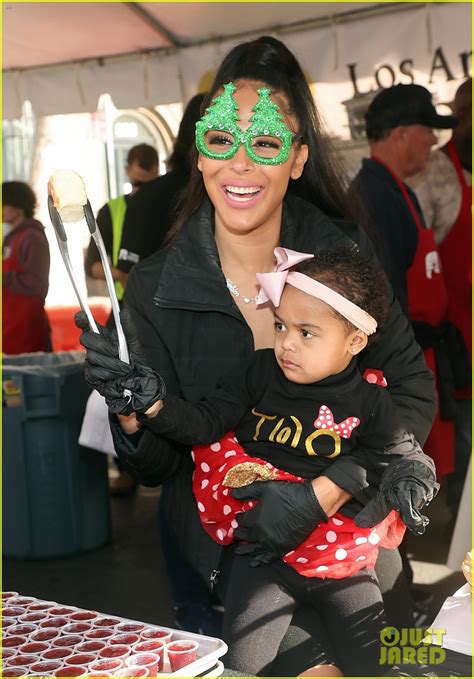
x,y
44,638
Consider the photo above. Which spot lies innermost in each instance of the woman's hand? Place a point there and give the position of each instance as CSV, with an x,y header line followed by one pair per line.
x,y
110,376
286,514
129,423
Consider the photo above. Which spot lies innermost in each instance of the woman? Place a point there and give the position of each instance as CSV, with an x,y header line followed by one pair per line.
x,y
193,310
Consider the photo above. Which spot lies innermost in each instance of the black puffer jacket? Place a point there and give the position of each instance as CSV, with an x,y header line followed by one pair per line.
x,y
192,332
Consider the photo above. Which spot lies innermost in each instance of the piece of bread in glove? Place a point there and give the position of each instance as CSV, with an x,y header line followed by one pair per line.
x,y
68,192
245,473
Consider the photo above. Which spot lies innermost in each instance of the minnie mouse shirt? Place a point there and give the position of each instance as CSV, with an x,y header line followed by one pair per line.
x,y
305,429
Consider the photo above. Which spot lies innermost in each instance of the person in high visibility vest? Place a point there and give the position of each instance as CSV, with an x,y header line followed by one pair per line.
x,y
142,167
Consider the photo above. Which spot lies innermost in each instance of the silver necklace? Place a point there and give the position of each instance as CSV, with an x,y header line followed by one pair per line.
x,y
234,290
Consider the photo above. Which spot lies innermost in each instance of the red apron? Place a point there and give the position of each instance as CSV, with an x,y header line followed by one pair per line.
x,y
24,322
455,253
428,302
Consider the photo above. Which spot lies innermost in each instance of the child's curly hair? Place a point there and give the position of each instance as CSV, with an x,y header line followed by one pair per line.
x,y
357,278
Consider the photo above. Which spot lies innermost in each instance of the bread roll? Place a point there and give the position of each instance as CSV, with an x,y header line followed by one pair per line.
x,y
68,192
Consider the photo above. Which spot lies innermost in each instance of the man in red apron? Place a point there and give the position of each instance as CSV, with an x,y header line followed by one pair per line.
x,y
25,273
445,194
399,123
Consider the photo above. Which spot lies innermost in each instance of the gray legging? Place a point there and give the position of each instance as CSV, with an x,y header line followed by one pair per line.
x,y
346,618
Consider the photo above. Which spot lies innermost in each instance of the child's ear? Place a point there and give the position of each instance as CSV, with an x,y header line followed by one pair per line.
x,y
357,342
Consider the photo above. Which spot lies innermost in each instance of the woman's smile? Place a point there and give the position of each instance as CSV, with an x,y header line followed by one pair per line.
x,y
241,194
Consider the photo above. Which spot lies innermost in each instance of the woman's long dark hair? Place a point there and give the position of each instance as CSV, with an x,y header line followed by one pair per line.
x,y
269,61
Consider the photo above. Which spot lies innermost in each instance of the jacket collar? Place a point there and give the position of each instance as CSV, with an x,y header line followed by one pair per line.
x,y
191,274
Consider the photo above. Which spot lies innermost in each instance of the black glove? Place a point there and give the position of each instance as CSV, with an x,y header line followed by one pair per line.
x,y
286,514
110,376
406,485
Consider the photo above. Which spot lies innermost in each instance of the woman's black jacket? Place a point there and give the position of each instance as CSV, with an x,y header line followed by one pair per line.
x,y
192,333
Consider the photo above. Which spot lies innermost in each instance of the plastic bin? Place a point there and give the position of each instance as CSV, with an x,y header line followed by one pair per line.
x,y
55,492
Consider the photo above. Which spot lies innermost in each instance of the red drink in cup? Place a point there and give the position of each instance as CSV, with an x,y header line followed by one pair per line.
x,y
14,641
105,666
127,639
134,627
55,622
21,601
13,611
57,653
76,628
13,672
106,622
83,616
81,659
45,667
22,660
8,622
70,671
22,629
61,610
104,633
8,652
181,653
68,641
34,647
42,606
8,595
148,660
90,647
34,616
45,635
156,633
132,671
152,646
118,651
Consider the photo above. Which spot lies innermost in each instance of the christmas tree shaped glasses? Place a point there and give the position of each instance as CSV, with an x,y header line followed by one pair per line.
x,y
267,140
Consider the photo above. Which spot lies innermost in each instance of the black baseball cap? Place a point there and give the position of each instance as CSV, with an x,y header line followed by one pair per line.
x,y
404,105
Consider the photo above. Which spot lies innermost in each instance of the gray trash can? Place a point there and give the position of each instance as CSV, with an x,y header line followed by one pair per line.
x,y
55,492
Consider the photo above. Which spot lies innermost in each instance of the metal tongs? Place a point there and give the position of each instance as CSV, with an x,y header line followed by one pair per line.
x,y
96,235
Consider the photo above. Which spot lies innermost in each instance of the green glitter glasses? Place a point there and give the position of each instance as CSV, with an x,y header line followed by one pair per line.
x,y
267,140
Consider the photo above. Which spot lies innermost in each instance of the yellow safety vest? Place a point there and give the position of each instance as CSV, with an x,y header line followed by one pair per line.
x,y
118,208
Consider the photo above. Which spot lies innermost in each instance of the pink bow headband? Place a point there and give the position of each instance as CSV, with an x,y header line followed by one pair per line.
x,y
272,285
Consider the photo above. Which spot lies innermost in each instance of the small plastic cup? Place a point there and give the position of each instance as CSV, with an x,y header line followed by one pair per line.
x,y
70,671
57,654
148,660
127,639
83,616
181,653
157,646
105,622
134,627
45,634
19,600
103,665
81,659
41,606
67,641
100,633
61,610
22,660
13,611
76,628
14,641
55,622
33,616
22,629
90,647
8,622
8,652
8,595
156,633
132,671
44,667
118,651
13,672
35,647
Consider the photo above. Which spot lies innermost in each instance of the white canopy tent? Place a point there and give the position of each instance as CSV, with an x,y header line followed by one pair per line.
x,y
63,56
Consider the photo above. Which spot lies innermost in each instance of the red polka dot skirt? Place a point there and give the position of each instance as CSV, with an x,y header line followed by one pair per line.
x,y
335,549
